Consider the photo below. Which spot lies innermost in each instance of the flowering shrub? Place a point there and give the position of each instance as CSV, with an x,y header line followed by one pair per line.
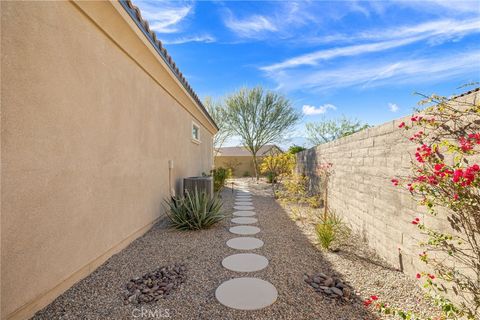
x,y
445,175
295,189
277,167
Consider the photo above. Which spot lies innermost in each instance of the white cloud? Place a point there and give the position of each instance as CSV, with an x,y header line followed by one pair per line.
x,y
380,72
455,6
393,107
315,57
201,38
165,17
435,32
357,7
445,28
312,110
250,27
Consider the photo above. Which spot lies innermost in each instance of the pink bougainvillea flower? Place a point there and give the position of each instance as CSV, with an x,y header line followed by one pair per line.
x,y
457,174
455,197
395,182
475,137
465,144
401,125
439,166
432,180
467,176
374,298
418,275
416,221
431,276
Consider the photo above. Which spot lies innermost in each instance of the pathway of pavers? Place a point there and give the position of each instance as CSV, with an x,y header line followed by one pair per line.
x,y
245,293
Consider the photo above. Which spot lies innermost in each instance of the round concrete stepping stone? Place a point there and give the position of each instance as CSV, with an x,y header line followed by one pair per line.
x,y
245,262
243,203
244,213
244,220
244,230
246,293
245,243
243,208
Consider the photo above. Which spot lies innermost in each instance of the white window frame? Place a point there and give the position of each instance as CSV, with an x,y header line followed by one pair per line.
x,y
196,139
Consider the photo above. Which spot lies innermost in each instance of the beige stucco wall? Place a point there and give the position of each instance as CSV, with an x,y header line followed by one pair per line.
x,y
90,117
245,164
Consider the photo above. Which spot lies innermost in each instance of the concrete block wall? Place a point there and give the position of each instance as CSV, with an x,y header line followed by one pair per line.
x,y
361,191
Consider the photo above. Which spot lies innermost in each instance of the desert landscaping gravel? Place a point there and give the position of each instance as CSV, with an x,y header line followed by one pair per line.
x,y
291,254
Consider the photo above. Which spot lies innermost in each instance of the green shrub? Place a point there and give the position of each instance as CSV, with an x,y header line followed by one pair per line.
x,y
271,177
194,211
330,228
220,175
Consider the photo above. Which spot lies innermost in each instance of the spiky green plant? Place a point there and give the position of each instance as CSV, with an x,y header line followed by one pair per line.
x,y
330,228
194,211
325,234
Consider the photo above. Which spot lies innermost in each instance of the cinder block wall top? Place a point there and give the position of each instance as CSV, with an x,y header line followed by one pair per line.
x,y
361,191
91,116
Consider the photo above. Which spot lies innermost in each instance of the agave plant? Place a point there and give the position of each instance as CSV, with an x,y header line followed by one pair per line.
x,y
194,211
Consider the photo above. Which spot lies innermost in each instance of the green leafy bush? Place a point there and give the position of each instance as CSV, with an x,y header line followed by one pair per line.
x,y
220,175
194,211
270,177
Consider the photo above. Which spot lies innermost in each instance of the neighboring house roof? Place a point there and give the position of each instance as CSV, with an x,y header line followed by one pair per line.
x,y
134,12
243,152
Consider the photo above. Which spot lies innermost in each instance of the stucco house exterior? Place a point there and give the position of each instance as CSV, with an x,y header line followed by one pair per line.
x,y
95,118
239,159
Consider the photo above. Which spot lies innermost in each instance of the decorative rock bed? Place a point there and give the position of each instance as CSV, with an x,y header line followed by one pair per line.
x,y
154,285
329,286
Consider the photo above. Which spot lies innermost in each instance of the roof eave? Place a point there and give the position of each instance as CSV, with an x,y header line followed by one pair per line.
x,y
134,12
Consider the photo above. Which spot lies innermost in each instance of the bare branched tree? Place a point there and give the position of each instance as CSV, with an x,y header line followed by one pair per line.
x,y
329,130
259,117
216,109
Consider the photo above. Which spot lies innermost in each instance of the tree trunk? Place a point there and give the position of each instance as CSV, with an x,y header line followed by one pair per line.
x,y
255,166
273,185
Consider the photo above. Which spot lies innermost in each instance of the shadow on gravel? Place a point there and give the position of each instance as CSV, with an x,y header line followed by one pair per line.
x,y
291,255
350,255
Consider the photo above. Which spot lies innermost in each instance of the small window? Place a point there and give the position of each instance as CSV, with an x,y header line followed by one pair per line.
x,y
195,132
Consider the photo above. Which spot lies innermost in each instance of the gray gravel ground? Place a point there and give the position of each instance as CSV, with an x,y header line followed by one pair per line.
x,y
290,252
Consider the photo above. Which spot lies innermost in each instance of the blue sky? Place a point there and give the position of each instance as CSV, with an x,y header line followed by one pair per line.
x,y
362,59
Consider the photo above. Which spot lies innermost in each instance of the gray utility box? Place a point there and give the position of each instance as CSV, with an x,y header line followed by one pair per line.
x,y
202,184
